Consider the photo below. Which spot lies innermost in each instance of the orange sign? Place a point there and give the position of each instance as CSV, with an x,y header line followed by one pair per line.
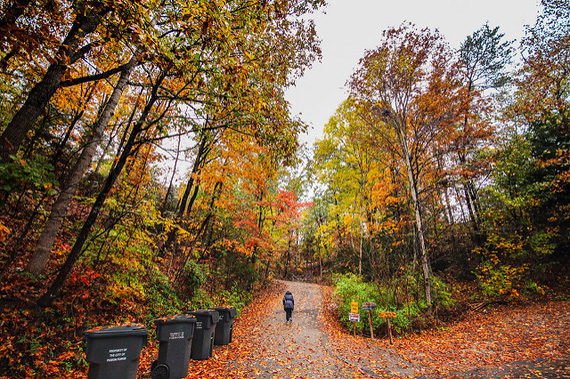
x,y
387,314
354,307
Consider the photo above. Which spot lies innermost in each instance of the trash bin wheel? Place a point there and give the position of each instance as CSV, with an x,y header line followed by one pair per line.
x,y
159,370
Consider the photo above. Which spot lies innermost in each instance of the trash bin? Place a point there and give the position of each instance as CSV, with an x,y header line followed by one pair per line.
x,y
225,326
203,341
114,352
174,335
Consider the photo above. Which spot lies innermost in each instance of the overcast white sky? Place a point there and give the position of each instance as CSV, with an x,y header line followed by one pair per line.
x,y
351,26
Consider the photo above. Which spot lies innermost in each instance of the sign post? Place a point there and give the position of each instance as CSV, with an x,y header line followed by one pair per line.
x,y
369,307
388,316
354,316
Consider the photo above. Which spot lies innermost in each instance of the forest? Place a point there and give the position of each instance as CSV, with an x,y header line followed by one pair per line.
x,y
150,163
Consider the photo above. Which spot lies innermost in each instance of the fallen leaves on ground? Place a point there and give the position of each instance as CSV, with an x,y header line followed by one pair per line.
x,y
527,339
495,338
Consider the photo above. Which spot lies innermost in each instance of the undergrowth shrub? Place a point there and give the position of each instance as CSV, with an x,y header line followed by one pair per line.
x,y
236,297
350,287
195,275
403,295
504,271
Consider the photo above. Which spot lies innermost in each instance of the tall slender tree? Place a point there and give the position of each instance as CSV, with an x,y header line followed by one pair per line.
x,y
485,56
410,92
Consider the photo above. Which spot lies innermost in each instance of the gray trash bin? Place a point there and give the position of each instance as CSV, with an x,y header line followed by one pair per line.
x,y
114,352
174,335
225,326
203,341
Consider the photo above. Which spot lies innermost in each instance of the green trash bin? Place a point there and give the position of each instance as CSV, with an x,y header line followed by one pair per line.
x,y
203,341
114,352
174,335
225,326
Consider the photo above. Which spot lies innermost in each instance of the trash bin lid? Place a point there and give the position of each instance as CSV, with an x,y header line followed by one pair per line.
x,y
116,331
212,313
227,310
175,320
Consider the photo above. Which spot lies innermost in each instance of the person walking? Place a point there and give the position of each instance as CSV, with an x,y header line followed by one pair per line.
x,y
288,305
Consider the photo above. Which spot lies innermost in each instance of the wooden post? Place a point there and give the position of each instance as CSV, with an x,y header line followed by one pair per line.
x,y
370,321
353,311
388,316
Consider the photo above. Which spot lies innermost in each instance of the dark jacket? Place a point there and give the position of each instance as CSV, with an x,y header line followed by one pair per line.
x,y
288,302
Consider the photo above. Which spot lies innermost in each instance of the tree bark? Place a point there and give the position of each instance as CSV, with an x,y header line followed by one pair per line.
x,y
260,219
164,206
181,262
45,243
185,206
41,93
418,218
361,185
287,260
470,209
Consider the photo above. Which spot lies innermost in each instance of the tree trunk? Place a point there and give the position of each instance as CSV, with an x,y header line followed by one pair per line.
x,y
448,207
470,209
185,206
361,233
460,203
54,290
259,199
42,92
203,150
287,260
181,262
104,152
418,218
112,135
40,258
267,265
164,206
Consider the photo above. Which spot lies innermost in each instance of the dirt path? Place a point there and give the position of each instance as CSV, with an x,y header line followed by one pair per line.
x,y
296,349
302,349
313,347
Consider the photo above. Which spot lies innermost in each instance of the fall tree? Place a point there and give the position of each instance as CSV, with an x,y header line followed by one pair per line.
x,y
410,91
485,57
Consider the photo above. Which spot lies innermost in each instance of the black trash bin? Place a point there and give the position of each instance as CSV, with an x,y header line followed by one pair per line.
x,y
114,352
174,335
203,341
225,326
